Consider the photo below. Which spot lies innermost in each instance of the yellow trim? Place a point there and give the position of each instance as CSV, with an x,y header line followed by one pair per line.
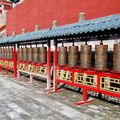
x,y
2,25
106,84
64,75
85,79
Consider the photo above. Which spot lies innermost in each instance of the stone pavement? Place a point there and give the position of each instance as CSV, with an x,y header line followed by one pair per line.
x,y
19,101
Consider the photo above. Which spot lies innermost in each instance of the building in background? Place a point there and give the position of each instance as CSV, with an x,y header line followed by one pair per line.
x,y
16,2
5,6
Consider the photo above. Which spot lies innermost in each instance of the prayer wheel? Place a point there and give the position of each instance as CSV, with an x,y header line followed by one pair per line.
x,y
7,53
85,56
24,54
2,55
62,56
116,58
3,49
35,54
0,52
101,57
20,54
11,53
43,54
29,54
73,55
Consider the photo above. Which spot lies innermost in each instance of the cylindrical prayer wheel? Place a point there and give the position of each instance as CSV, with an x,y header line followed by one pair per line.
x,y
20,54
85,56
5,53
29,54
24,54
101,57
42,54
2,55
73,55
0,52
116,58
62,55
11,53
35,54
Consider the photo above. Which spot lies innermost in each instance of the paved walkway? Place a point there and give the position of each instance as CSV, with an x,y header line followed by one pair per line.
x,y
19,101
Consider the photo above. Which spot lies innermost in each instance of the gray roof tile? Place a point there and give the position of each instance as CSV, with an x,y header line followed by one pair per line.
x,y
89,26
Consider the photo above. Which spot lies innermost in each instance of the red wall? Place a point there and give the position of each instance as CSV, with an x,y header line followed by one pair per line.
x,y
42,12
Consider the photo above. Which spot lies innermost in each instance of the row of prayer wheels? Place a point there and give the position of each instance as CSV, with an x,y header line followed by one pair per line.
x,y
6,53
85,56
37,54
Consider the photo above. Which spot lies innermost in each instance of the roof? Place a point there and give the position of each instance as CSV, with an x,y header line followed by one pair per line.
x,y
20,37
95,25
89,26
6,39
30,36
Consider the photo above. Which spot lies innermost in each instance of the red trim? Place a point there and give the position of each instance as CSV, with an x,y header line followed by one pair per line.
x,y
15,61
48,67
3,1
55,64
3,27
99,74
7,7
90,88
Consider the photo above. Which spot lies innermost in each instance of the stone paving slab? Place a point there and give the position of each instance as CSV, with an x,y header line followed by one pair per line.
x,y
19,101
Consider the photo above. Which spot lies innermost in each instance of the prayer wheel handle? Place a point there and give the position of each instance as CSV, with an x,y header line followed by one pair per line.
x,y
85,42
101,42
73,44
62,44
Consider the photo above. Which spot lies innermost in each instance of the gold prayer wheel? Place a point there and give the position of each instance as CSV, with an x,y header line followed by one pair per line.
x,y
29,54
42,54
20,54
10,53
101,57
62,55
73,56
24,54
7,53
85,56
2,55
35,54
116,58
0,52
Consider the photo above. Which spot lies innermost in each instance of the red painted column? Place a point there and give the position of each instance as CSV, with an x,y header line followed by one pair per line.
x,y
98,82
18,73
54,65
48,65
85,94
15,60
